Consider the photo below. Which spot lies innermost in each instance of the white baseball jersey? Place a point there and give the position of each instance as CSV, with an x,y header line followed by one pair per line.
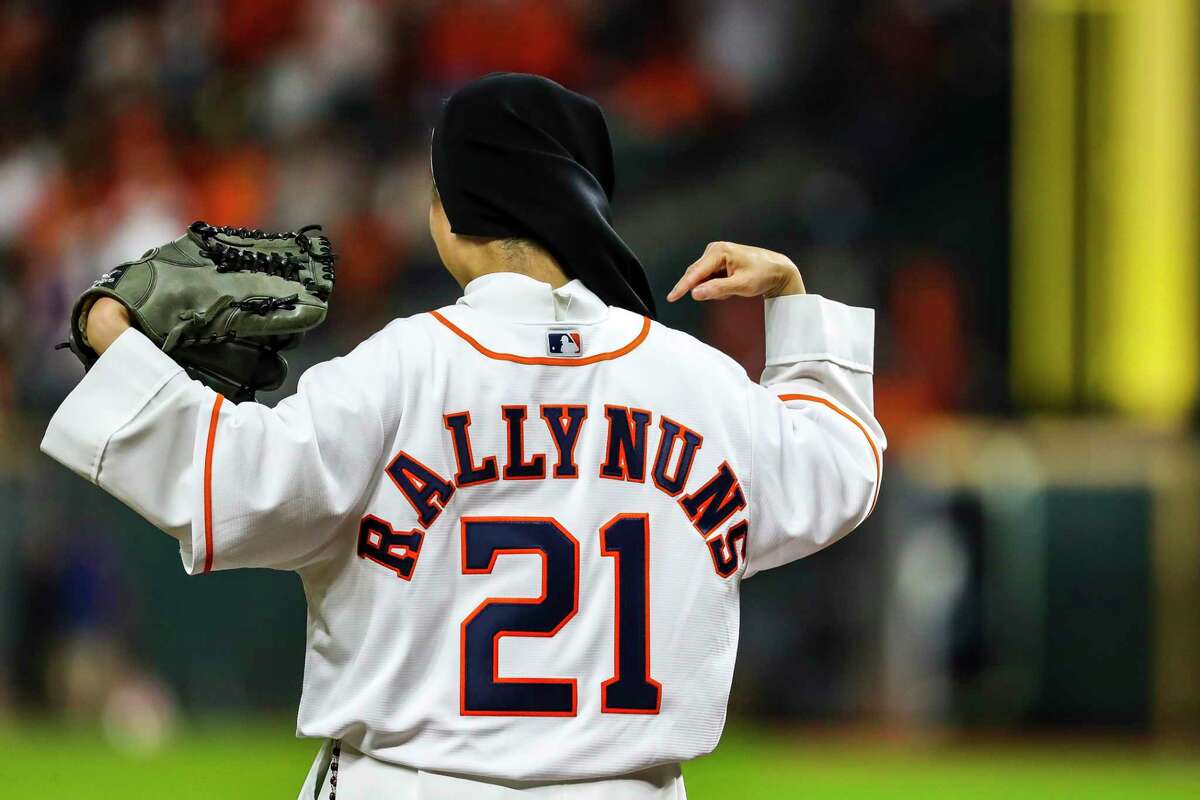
x,y
521,521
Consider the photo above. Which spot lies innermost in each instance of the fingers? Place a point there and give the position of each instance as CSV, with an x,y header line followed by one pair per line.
x,y
712,261
720,288
700,269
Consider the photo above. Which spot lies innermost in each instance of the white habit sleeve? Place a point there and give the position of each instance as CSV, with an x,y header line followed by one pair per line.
x,y
238,485
818,450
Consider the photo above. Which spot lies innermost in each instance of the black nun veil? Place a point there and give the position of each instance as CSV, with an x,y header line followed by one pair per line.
x,y
520,156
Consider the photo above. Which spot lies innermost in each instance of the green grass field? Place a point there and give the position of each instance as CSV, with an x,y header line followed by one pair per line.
x,y
261,760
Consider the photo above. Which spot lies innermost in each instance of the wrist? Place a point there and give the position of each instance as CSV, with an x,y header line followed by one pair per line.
x,y
106,320
788,281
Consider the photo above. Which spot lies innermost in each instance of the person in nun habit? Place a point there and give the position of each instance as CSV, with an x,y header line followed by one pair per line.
x,y
521,521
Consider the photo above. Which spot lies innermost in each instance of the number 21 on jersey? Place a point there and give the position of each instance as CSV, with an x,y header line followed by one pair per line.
x,y
626,539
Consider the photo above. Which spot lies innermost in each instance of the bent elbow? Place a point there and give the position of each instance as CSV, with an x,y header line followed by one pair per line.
x,y
856,501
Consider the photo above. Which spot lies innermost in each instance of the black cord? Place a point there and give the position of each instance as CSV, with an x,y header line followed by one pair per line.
x,y
333,768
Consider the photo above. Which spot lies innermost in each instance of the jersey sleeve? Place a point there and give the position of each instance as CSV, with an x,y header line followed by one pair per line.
x,y
239,485
817,447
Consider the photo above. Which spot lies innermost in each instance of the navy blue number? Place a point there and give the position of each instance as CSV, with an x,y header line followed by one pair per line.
x,y
626,538
483,691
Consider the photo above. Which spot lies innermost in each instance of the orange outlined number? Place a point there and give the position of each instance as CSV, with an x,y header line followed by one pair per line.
x,y
482,692
626,539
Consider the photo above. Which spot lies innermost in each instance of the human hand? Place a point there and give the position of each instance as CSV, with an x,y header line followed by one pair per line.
x,y
727,269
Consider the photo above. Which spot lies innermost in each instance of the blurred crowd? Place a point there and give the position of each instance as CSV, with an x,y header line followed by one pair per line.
x,y
868,139
123,125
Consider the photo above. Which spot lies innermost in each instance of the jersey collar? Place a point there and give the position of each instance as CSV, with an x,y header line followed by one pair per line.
x,y
520,298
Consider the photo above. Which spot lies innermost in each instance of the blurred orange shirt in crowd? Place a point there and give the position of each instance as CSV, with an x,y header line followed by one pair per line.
x,y
926,368
467,38
234,187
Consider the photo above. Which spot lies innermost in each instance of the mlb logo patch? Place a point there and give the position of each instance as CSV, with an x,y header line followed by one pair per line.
x,y
566,344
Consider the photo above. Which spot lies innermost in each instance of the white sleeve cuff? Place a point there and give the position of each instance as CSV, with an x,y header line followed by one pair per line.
x,y
113,392
808,327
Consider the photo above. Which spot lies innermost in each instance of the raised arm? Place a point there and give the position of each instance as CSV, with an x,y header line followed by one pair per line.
x,y
818,449
237,485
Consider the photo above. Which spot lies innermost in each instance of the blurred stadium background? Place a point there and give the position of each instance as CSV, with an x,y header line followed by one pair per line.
x,y
1012,185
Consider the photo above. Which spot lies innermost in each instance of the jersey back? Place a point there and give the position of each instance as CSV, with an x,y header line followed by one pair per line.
x,y
544,585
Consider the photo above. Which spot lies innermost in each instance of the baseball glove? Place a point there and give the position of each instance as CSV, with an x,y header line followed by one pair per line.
x,y
222,301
